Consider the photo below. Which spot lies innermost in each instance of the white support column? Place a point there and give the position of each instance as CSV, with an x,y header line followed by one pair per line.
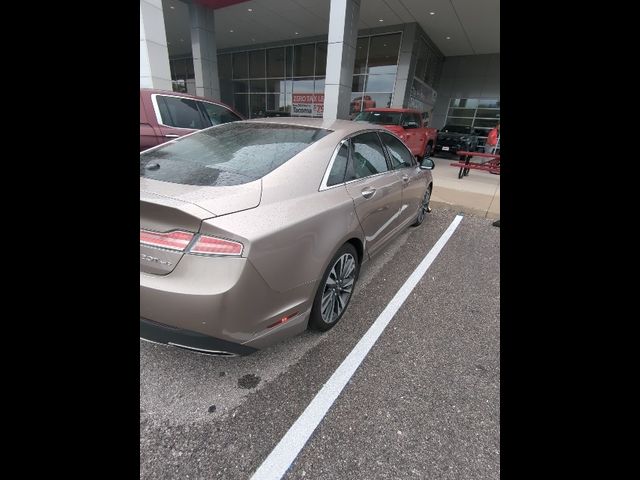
x,y
154,54
203,46
341,55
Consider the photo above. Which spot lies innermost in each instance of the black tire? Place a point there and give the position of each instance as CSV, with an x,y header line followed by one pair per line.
x,y
318,321
428,150
424,207
461,172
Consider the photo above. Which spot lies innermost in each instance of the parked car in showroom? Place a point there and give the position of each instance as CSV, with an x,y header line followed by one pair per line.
x,y
253,231
405,123
167,115
358,104
456,137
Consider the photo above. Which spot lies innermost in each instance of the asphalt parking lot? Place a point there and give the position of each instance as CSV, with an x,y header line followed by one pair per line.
x,y
424,403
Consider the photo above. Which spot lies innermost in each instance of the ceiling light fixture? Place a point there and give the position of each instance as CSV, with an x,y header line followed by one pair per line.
x,y
230,31
381,20
432,13
172,7
448,38
249,9
296,33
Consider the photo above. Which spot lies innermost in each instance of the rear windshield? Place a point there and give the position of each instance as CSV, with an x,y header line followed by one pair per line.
x,y
381,118
229,154
456,129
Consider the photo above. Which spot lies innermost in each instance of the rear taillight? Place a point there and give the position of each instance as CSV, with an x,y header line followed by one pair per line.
x,y
175,240
206,245
179,241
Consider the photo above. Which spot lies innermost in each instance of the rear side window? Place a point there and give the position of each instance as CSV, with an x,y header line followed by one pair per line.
x,y
367,156
339,167
180,112
229,154
399,154
218,114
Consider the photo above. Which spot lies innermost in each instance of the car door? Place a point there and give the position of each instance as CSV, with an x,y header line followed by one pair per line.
x,y
178,116
376,190
408,171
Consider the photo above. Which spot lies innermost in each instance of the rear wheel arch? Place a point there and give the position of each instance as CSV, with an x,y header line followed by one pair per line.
x,y
357,244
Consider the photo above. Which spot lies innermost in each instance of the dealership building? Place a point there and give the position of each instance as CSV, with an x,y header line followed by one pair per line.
x,y
329,58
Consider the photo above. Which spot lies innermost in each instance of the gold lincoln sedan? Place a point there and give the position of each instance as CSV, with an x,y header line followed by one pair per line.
x,y
253,231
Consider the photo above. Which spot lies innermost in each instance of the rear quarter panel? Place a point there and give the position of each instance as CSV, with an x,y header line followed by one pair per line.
x,y
296,230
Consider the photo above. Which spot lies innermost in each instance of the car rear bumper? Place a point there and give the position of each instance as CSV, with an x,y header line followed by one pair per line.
x,y
178,337
219,303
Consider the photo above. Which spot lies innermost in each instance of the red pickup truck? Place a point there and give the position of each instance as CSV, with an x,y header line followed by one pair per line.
x,y
406,124
166,115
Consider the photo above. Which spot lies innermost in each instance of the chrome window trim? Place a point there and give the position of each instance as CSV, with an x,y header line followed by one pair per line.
x,y
325,178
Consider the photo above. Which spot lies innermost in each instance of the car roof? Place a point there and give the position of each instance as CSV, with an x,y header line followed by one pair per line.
x,y
342,127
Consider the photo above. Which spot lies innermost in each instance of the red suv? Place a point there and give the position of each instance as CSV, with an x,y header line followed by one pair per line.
x,y
166,115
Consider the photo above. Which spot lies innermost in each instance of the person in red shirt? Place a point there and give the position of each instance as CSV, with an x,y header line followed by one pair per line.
x,y
492,140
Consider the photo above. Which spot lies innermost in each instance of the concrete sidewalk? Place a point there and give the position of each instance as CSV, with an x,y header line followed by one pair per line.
x,y
477,193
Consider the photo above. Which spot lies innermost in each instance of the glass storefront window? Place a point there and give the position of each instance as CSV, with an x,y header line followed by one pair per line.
x,y
480,113
462,112
383,54
240,69
380,83
275,62
257,64
224,66
464,103
483,122
382,100
240,104
303,85
428,64
257,86
357,103
303,60
276,85
293,77
276,102
321,58
362,49
289,62
488,103
240,86
257,105
358,83
486,113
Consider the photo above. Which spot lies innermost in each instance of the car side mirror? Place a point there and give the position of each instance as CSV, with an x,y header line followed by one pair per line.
x,y
427,164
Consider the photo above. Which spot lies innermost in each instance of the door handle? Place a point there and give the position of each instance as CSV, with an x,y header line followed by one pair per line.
x,y
171,135
368,192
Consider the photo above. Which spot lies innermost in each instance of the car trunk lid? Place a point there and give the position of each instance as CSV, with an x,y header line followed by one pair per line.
x,y
168,207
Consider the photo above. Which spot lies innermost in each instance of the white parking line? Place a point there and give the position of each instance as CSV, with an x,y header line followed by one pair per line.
x,y
283,455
